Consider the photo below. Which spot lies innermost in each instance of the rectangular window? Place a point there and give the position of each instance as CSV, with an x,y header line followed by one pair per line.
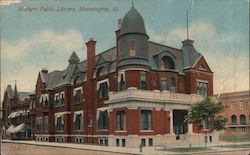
x,y
163,84
78,121
210,139
56,99
143,142
106,142
233,129
143,83
103,90
78,96
103,120
202,88
62,99
172,85
33,104
146,119
120,120
122,85
233,105
45,123
150,142
59,123
241,104
117,142
205,124
132,51
242,130
46,102
39,123
123,142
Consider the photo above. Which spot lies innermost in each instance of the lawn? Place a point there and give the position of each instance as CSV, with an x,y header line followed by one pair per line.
x,y
235,146
186,149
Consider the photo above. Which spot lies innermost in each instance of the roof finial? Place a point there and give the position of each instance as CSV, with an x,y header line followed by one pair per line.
x,y
187,26
132,3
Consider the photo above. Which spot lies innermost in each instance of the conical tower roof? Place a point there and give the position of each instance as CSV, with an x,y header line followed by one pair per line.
x,y
132,23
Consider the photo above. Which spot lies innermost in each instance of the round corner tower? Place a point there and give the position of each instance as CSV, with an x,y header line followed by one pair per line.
x,y
133,41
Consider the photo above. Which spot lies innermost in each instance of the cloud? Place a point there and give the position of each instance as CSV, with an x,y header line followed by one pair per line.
x,y
221,51
23,59
9,2
46,41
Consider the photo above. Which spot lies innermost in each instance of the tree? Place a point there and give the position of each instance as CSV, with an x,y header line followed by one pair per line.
x,y
206,113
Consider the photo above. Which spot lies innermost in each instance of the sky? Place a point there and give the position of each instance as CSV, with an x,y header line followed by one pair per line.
x,y
38,34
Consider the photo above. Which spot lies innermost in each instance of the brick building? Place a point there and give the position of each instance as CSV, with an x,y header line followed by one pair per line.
x,y
137,92
16,118
237,112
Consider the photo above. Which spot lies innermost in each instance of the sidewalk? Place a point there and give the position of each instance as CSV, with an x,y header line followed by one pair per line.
x,y
124,150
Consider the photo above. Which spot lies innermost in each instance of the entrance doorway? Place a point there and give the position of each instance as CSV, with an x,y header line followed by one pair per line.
x,y
179,126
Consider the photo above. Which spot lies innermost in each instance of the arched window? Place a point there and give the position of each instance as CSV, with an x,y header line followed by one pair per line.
x,y
167,63
233,120
242,119
102,71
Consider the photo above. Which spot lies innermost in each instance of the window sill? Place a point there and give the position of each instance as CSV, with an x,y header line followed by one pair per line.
x,y
79,103
205,129
99,130
103,98
56,106
121,131
78,130
146,130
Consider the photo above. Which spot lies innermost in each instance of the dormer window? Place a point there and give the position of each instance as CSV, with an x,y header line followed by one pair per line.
x,y
102,71
77,80
167,63
132,51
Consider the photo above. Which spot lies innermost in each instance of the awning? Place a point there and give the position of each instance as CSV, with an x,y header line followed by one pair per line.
x,y
16,129
10,129
19,128
11,115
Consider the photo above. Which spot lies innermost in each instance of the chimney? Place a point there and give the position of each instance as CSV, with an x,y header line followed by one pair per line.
x,y
90,58
116,37
44,70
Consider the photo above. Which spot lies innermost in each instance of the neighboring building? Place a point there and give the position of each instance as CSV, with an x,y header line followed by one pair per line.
x,y
137,92
237,112
16,118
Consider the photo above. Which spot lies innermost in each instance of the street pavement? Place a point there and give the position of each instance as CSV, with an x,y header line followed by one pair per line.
x,y
11,147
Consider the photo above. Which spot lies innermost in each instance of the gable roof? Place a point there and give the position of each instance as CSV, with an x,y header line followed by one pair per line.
x,y
74,58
